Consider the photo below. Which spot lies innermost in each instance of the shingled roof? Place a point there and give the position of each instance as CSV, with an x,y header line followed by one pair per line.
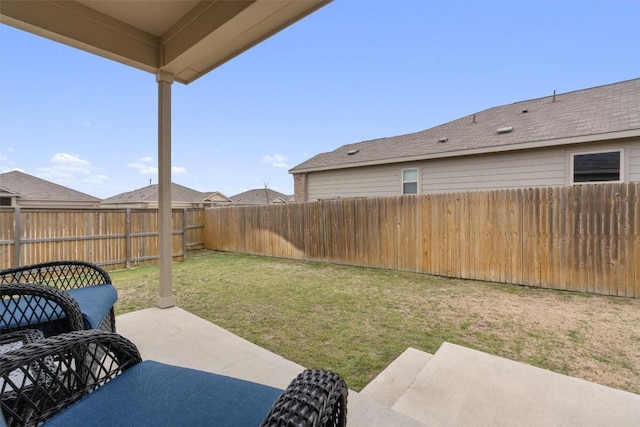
x,y
179,193
29,187
258,196
595,114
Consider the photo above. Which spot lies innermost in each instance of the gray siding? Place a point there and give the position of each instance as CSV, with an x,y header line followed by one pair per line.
x,y
488,172
634,162
545,167
373,181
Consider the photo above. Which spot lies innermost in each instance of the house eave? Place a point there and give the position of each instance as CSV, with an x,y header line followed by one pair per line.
x,y
186,41
476,151
62,204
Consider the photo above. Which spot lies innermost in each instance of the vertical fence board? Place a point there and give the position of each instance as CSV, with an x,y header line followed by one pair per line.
x,y
476,217
583,255
635,237
610,249
426,234
453,235
542,260
462,240
623,232
8,251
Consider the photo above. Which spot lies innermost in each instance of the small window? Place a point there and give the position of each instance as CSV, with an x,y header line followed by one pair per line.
x,y
597,167
5,201
410,181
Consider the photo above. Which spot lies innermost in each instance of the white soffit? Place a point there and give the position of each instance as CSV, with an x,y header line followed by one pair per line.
x,y
185,38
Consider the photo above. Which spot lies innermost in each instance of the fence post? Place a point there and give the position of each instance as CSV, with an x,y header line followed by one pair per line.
x,y
184,233
16,236
127,236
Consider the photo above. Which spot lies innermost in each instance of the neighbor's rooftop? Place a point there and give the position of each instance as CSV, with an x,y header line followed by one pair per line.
x,y
595,114
17,183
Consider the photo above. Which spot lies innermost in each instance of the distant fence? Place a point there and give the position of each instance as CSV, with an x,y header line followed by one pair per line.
x,y
113,238
582,238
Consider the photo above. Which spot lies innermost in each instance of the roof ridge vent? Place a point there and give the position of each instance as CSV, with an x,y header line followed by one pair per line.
x,y
352,152
505,129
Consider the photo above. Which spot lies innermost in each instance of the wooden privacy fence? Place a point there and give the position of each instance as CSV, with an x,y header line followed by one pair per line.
x,y
582,238
113,238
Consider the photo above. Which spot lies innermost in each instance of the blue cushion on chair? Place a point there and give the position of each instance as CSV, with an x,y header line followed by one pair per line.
x,y
28,309
155,394
95,302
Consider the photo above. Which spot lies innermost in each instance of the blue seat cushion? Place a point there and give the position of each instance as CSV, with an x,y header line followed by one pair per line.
x,y
155,394
95,302
27,310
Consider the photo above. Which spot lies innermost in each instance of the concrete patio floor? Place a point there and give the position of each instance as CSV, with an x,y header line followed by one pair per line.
x,y
180,338
456,386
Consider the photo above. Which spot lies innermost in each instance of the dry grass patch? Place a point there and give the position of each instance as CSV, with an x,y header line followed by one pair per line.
x,y
357,320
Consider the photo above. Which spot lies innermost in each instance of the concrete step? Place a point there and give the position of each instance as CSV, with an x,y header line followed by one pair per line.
x,y
365,412
180,338
396,378
463,387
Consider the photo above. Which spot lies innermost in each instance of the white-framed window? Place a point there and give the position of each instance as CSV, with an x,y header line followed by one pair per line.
x,y
597,166
410,181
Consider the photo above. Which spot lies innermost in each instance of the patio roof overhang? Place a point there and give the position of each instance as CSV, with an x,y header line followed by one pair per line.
x,y
184,38
177,40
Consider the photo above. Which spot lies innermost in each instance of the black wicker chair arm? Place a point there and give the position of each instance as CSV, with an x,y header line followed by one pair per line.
x,y
25,335
61,274
48,309
123,353
315,398
58,371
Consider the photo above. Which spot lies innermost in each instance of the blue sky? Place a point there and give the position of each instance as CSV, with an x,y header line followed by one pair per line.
x,y
353,71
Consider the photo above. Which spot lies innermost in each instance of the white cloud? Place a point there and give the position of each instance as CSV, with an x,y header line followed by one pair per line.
x,y
55,173
3,170
149,170
68,159
137,165
6,165
67,169
66,165
97,179
144,166
277,161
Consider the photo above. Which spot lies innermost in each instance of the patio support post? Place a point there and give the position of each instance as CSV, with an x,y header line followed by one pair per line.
x,y
165,298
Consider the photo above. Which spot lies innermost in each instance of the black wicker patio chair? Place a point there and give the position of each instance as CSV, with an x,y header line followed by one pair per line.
x,y
51,296
98,379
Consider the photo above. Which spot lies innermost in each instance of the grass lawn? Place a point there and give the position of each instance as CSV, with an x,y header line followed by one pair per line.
x,y
355,321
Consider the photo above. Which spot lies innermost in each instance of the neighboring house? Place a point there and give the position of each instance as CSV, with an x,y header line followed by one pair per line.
x,y
181,197
590,135
260,196
19,189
